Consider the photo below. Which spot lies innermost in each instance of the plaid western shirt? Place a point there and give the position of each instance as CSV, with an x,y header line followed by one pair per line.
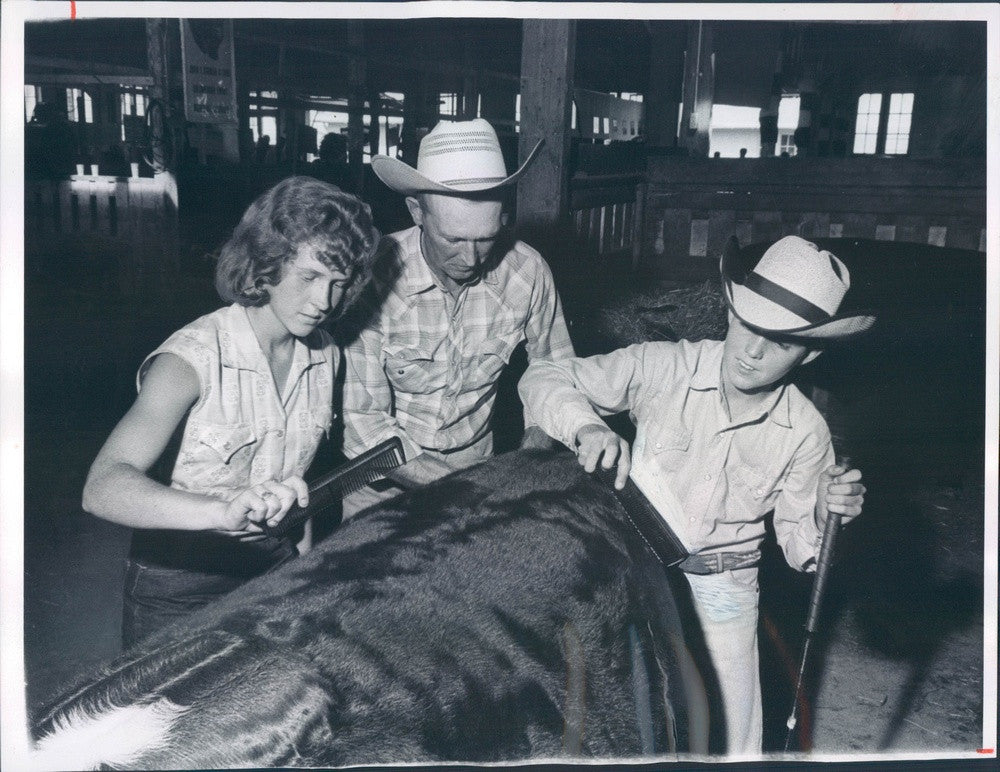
x,y
712,478
424,366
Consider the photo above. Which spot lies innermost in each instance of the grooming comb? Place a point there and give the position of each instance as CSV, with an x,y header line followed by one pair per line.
x,y
648,523
327,491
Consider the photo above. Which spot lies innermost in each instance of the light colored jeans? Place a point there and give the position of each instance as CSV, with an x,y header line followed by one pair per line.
x,y
726,605
383,490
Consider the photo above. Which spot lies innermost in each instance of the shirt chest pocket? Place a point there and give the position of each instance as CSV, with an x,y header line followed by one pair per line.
x,y
218,454
413,372
754,489
486,364
669,447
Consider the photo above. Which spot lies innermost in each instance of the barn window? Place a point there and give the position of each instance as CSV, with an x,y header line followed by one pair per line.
x,y
133,103
79,107
32,96
878,132
264,115
866,125
897,133
448,104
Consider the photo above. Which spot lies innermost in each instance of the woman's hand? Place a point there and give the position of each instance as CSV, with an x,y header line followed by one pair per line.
x,y
598,443
267,502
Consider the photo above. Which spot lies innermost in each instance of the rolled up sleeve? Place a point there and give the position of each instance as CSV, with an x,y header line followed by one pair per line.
x,y
563,396
794,520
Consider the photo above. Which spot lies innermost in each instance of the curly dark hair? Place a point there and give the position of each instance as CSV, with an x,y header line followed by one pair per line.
x,y
296,211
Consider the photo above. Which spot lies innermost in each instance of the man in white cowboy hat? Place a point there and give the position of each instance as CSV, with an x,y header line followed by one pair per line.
x,y
450,300
722,439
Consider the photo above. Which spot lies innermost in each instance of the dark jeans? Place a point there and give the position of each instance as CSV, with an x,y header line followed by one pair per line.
x,y
156,596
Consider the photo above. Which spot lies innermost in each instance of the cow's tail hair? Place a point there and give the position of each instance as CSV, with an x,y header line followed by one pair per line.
x,y
114,737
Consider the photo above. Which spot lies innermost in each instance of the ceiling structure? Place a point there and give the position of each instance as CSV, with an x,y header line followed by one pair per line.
x,y
611,55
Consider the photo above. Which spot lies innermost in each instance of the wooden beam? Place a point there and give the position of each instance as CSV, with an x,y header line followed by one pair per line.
x,y
548,56
356,107
699,88
666,74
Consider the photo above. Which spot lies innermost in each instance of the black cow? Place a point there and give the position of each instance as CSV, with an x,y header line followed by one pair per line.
x,y
504,612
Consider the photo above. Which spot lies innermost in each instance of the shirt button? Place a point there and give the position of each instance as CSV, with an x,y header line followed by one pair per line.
x,y
281,433
227,445
659,444
691,519
760,491
708,477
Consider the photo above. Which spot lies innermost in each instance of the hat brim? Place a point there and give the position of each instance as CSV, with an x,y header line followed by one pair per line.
x,y
762,314
403,178
742,302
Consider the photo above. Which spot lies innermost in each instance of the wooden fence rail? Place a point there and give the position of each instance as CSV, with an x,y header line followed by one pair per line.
x,y
607,213
132,221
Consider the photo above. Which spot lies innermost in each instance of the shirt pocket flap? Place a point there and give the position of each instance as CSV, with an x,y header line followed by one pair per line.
x,y
412,371
226,440
756,483
670,439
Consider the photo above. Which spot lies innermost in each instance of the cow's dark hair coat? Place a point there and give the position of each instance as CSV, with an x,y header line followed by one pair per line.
x,y
485,617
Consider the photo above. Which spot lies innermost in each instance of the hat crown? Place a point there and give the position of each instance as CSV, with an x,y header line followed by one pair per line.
x,y
800,267
464,155
795,289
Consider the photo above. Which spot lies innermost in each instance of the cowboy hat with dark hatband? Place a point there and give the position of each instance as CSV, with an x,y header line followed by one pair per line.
x,y
795,290
456,157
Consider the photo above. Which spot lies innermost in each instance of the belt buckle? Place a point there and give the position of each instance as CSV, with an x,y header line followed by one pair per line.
x,y
718,563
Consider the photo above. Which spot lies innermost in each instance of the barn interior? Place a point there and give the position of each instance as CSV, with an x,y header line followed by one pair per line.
x,y
664,139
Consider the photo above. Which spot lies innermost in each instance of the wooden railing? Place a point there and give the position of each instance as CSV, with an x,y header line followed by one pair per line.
x,y
607,213
131,220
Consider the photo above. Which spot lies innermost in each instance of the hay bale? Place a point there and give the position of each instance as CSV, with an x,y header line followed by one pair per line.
x,y
665,312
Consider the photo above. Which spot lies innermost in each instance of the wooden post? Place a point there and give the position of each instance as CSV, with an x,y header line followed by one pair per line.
x,y
420,114
699,88
162,255
356,107
470,81
666,73
548,54
375,122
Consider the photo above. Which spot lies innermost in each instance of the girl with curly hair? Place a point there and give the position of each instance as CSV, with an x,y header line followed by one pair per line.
x,y
249,390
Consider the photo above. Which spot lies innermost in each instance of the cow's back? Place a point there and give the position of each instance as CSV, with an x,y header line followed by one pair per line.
x,y
504,612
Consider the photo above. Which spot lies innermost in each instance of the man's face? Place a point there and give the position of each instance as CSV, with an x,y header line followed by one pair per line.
x,y
458,235
753,363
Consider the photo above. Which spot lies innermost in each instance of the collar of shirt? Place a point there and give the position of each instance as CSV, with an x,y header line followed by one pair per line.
x,y
707,376
416,275
241,350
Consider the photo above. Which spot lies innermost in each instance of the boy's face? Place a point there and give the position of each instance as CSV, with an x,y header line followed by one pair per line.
x,y
752,363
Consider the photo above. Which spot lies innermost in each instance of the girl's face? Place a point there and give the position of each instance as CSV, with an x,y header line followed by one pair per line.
x,y
309,291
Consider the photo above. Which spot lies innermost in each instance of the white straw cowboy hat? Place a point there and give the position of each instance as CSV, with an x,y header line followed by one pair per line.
x,y
795,289
455,157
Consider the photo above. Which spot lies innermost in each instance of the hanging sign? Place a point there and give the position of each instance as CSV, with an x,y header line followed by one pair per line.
x,y
208,65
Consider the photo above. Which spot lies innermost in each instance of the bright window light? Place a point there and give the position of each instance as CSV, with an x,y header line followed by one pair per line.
x,y
866,125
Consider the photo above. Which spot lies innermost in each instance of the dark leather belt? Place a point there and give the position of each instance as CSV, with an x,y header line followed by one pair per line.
x,y
717,562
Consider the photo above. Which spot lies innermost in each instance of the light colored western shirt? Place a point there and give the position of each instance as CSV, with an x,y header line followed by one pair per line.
x,y
711,477
241,431
425,367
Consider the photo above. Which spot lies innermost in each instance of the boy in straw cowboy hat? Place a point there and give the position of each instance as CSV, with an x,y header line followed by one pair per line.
x,y
450,300
722,439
